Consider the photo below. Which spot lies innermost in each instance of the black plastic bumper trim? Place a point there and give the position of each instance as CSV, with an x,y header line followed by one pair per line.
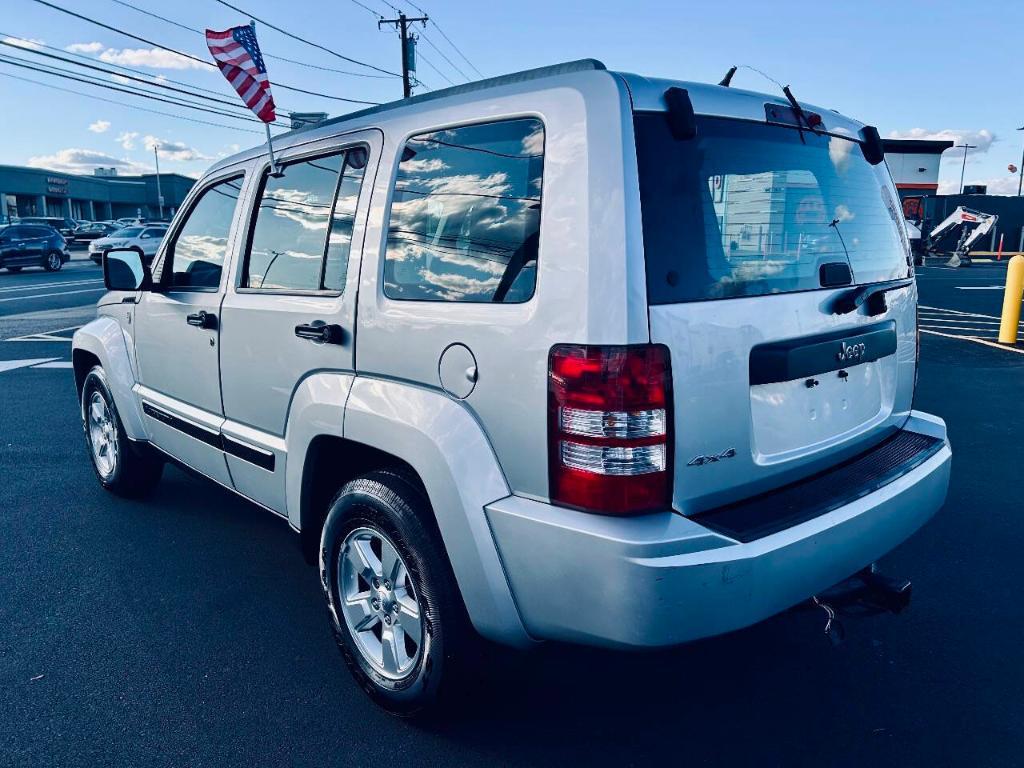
x,y
811,497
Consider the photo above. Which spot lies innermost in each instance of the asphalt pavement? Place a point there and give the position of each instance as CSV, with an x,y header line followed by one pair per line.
x,y
188,630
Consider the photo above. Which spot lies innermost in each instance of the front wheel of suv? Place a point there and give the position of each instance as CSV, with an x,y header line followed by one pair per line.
x,y
54,261
391,595
121,466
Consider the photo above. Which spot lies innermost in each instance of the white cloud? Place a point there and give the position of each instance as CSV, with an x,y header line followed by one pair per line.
x,y
30,43
73,160
155,58
174,150
999,185
127,139
982,139
100,126
85,47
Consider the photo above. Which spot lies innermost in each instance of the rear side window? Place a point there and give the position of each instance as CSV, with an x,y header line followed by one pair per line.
x,y
196,254
301,232
747,209
465,214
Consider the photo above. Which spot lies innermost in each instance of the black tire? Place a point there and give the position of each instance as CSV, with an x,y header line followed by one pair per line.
x,y
14,270
137,467
391,504
54,261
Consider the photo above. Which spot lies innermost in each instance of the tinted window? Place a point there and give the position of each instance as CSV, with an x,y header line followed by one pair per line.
x,y
302,228
465,215
747,209
196,255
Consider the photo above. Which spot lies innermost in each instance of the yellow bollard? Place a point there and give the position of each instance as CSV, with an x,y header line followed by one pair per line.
x,y
1012,300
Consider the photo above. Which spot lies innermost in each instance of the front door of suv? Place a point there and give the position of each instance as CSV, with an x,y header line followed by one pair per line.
x,y
178,331
290,311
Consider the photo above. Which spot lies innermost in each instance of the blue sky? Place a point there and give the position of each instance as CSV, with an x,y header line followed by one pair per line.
x,y
920,69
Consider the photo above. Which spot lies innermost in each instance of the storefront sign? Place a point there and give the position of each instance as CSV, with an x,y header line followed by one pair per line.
x,y
56,185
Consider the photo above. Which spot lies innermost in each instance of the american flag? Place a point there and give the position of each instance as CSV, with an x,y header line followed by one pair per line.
x,y
238,56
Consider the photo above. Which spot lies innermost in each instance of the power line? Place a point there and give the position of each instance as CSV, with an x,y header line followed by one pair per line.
x,y
109,64
188,55
367,8
304,40
448,39
128,106
152,83
265,55
427,61
441,54
101,84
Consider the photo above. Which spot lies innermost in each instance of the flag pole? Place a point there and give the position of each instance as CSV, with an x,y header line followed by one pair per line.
x,y
270,143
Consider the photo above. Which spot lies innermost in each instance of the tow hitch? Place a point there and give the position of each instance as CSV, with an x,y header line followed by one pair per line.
x,y
866,592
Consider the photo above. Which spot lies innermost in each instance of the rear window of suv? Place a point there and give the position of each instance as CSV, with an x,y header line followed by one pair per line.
x,y
748,209
465,217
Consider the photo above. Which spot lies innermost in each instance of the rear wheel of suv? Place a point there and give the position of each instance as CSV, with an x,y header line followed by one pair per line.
x,y
392,598
121,466
54,261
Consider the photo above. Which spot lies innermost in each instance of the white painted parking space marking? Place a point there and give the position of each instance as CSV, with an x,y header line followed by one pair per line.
x,y
48,335
40,286
12,365
47,295
976,340
979,287
965,326
57,364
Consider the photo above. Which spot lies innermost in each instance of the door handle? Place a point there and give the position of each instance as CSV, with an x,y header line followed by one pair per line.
x,y
202,319
321,332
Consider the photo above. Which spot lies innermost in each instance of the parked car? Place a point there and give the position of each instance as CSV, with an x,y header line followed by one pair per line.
x,y
143,239
94,230
570,355
66,226
32,245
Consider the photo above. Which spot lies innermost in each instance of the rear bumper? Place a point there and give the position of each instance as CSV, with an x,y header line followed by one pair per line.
x,y
664,579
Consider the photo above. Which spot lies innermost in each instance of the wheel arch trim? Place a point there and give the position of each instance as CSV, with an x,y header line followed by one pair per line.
x,y
103,340
446,447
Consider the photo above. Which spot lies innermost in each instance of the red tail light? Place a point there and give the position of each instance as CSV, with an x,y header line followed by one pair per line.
x,y
609,427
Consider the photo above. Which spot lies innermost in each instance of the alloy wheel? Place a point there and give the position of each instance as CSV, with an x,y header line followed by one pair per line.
x,y
379,603
102,436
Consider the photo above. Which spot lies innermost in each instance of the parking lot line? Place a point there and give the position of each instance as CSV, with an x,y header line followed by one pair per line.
x,y
47,335
47,295
56,364
11,365
976,340
39,286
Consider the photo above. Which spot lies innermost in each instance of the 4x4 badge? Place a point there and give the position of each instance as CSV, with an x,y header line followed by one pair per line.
x,y
700,461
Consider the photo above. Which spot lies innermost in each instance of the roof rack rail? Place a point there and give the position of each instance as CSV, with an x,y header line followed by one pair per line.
x,y
581,65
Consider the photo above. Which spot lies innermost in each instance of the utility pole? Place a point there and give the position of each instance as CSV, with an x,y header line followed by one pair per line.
x,y
159,194
408,46
965,146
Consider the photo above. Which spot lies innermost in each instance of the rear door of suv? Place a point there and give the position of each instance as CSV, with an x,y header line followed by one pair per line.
x,y
779,278
290,307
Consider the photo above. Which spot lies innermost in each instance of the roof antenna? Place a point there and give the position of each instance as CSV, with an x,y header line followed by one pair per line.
x,y
728,77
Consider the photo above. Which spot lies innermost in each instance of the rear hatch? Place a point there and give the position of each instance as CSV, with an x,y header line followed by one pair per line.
x,y
779,277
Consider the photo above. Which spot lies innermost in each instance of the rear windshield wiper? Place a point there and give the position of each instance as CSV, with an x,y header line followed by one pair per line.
x,y
873,295
801,116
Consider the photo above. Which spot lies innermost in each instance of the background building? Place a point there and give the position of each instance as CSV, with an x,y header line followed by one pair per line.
x,y
105,195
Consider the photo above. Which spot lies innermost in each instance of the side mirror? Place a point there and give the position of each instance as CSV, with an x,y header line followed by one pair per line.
x,y
124,270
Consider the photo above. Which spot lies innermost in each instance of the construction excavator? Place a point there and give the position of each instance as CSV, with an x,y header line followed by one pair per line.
x,y
973,224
